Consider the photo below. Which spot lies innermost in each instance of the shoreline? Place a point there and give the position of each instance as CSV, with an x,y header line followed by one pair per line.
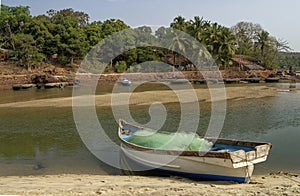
x,y
229,76
70,184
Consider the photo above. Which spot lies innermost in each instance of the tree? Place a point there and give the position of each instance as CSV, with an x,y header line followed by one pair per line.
x,y
179,23
93,33
265,50
74,18
254,41
220,42
40,28
246,36
282,45
111,26
144,37
69,36
12,20
26,50
263,41
197,28
121,66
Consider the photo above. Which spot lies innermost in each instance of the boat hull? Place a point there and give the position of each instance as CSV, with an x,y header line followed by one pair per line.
x,y
190,167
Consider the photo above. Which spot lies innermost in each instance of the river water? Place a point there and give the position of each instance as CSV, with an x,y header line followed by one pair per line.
x,y
35,141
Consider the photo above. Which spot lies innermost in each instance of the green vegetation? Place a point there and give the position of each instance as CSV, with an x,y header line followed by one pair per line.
x,y
58,36
218,40
255,42
121,66
289,60
66,36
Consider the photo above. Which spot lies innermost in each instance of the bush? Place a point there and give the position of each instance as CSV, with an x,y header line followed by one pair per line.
x,y
121,66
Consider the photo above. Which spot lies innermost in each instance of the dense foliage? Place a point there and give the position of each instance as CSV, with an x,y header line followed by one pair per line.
x,y
58,36
67,35
289,61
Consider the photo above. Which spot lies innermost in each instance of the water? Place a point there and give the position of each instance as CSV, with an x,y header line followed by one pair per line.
x,y
45,141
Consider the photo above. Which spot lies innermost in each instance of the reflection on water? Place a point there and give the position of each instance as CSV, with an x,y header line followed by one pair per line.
x,y
42,140
45,140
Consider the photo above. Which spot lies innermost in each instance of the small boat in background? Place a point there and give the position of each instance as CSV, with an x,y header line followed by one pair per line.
x,y
206,158
179,81
22,86
125,82
76,82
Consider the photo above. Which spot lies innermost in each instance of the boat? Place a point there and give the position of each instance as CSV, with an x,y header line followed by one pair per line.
x,y
231,80
22,86
125,82
252,80
216,159
55,85
179,81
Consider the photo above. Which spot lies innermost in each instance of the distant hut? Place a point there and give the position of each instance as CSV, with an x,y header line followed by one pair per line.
x,y
243,63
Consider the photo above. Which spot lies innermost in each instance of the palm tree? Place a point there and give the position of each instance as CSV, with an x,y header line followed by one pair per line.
x,y
179,23
197,28
220,42
177,43
212,42
227,46
263,41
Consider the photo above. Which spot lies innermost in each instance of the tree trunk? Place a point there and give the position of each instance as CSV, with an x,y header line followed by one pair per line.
x,y
28,66
111,64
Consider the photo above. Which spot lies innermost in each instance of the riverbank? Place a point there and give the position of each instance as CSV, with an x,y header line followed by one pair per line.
x,y
149,97
10,75
68,184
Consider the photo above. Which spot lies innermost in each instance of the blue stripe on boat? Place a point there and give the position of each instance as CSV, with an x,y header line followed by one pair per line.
x,y
204,176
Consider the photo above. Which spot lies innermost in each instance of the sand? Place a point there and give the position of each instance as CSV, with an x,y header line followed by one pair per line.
x,y
149,97
68,184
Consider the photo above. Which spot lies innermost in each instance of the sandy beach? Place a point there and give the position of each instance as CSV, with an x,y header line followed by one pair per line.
x,y
149,97
67,184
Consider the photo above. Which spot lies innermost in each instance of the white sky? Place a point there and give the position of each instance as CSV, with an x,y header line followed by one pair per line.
x,y
278,17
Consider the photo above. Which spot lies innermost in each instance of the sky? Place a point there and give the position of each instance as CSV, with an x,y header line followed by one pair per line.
x,y
281,18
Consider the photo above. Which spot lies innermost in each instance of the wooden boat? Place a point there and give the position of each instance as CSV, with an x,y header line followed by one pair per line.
x,y
230,160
